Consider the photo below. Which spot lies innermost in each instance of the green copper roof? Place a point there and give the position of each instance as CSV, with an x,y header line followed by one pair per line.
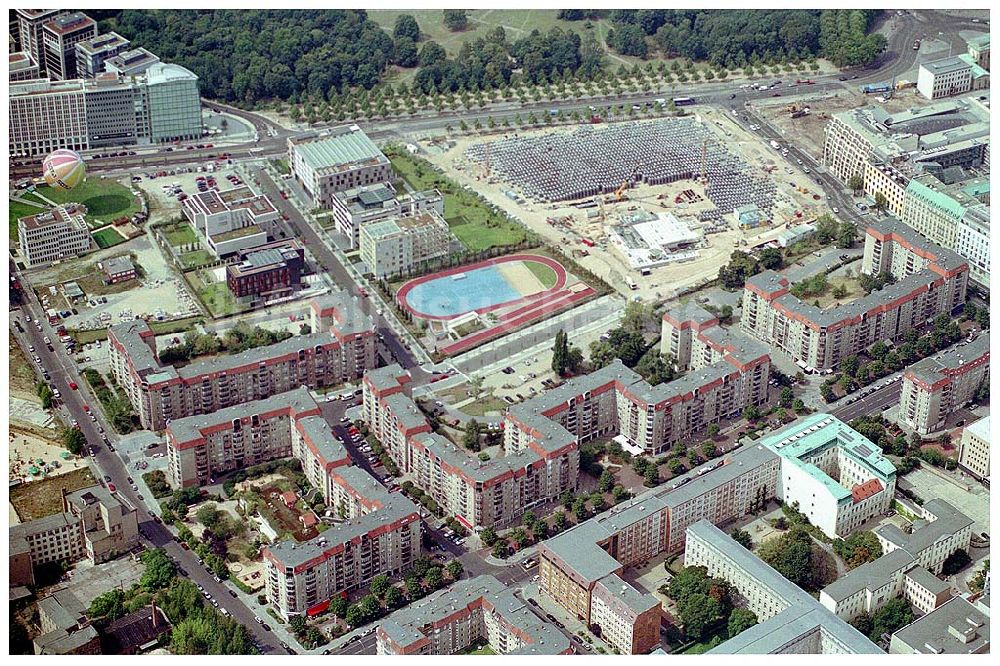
x,y
936,198
339,149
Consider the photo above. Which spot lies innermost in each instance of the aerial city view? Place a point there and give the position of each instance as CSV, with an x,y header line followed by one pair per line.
x,y
499,331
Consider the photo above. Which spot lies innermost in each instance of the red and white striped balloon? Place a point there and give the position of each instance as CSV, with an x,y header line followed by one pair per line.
x,y
64,169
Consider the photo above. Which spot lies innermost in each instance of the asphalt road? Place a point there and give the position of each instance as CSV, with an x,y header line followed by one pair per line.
x,y
62,371
870,404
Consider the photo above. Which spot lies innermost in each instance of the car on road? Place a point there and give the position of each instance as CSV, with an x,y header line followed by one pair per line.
x,y
232,593
73,386
111,487
107,478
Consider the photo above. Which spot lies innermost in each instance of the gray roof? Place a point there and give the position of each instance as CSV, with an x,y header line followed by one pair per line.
x,y
938,631
943,257
477,470
945,65
318,431
337,149
292,554
407,625
63,609
689,311
935,368
926,579
804,614
189,428
120,264
577,550
385,377
871,575
31,528
405,410
947,520
617,592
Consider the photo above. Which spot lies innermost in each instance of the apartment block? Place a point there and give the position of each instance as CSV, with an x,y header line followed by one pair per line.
x,y
930,280
60,36
398,246
202,448
941,530
837,477
357,206
629,620
935,387
731,373
974,449
472,610
267,272
340,349
301,578
21,67
336,160
94,524
91,54
494,493
56,234
573,564
790,621
230,220
957,627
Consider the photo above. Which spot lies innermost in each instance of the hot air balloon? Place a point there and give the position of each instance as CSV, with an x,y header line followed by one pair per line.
x,y
64,169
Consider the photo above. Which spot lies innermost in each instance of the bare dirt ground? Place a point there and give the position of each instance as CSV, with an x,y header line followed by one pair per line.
x,y
570,224
808,131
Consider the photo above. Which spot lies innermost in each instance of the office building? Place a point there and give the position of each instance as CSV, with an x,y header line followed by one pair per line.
x,y
31,23
174,103
940,530
930,281
91,54
132,62
94,524
493,493
979,49
60,36
837,477
957,627
336,160
56,234
790,621
230,221
944,78
21,67
974,449
935,387
473,610
340,348
266,273
118,269
159,106
357,206
398,246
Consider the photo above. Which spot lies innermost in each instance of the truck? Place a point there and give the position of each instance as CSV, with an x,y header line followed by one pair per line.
x,y
553,112
874,88
661,101
807,82
631,283
587,242
683,101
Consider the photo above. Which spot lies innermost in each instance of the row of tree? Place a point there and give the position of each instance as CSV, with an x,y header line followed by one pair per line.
x,y
254,55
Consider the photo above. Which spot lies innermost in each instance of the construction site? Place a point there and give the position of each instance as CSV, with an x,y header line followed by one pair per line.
x,y
649,206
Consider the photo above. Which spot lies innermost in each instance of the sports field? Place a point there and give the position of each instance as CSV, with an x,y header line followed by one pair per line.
x,y
106,200
483,287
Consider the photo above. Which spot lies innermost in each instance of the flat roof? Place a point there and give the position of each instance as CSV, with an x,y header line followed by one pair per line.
x,y
938,632
945,65
336,149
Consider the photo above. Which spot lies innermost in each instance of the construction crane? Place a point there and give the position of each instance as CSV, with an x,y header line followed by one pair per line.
x,y
620,192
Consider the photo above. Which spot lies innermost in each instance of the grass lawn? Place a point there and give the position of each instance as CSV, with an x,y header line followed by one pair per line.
x,y
545,274
282,166
705,645
478,649
106,200
852,285
197,258
468,216
180,234
43,498
215,296
17,211
108,237
488,404
84,337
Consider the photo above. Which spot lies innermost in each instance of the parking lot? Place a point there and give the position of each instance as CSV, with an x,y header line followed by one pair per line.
x,y
965,494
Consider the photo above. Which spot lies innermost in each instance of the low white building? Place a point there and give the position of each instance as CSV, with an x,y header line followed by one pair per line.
x,y
53,235
647,240
941,530
944,78
974,450
230,221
